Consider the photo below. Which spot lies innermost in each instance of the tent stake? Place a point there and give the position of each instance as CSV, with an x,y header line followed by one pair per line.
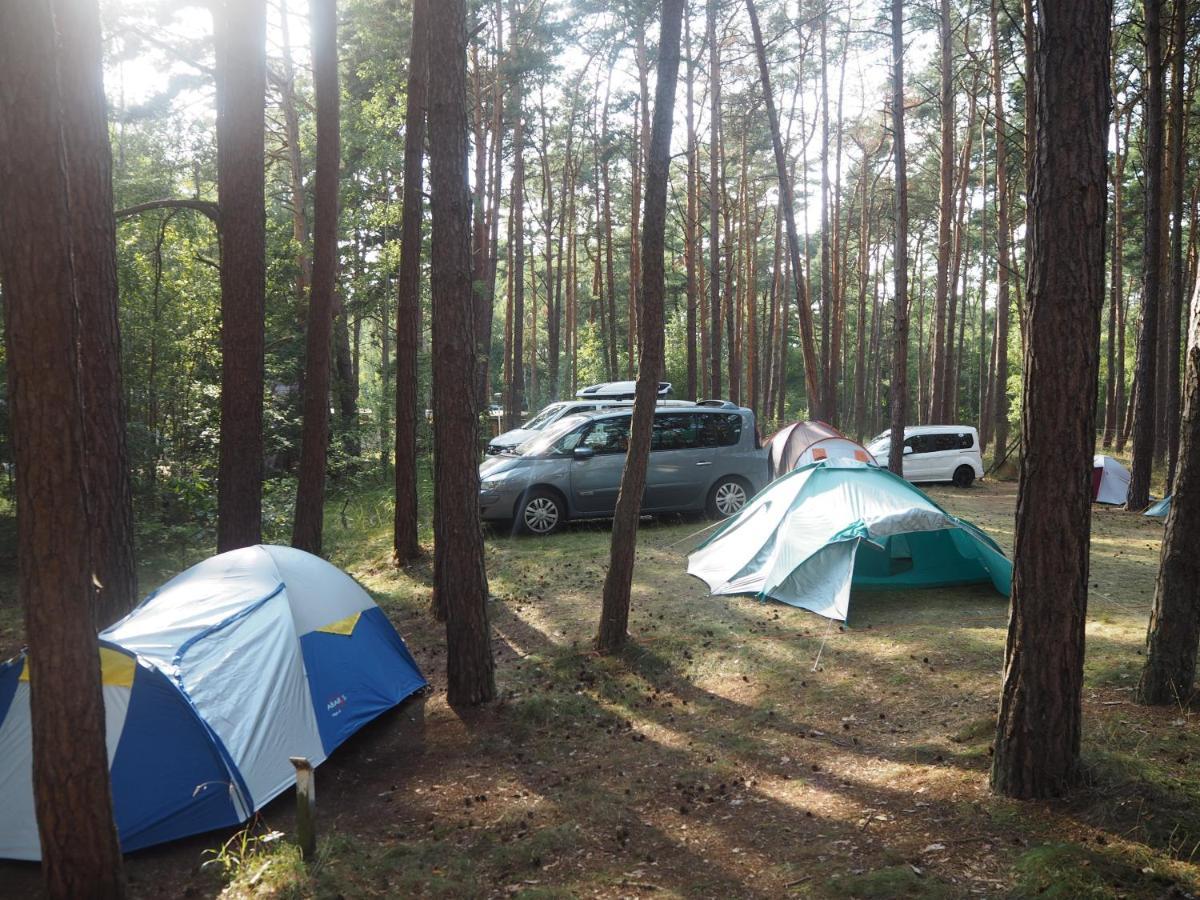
x,y
306,807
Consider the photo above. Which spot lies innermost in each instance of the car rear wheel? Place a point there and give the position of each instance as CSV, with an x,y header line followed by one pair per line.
x,y
540,512
727,498
964,476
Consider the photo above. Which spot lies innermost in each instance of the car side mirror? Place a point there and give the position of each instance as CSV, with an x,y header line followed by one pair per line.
x,y
908,451
584,452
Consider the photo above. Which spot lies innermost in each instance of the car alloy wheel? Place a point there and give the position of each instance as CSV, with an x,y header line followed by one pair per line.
x,y
729,498
541,515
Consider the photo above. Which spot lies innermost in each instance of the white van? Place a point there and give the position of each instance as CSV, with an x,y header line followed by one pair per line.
x,y
935,453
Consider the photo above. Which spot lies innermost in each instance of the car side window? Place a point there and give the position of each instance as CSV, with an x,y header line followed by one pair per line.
x,y
676,431
568,442
720,429
608,436
966,441
945,442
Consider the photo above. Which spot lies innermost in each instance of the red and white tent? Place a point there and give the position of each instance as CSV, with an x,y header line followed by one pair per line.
x,y
1110,481
802,443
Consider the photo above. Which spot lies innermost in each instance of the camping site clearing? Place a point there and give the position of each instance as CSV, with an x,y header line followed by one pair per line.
x,y
737,749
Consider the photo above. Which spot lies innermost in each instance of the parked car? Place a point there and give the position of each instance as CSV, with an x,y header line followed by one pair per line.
x,y
703,457
935,453
589,399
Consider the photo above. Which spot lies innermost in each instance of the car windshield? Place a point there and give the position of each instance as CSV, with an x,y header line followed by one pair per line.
x,y
880,438
544,418
545,442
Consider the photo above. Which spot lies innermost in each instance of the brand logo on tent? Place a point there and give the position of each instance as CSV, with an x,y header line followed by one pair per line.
x,y
335,703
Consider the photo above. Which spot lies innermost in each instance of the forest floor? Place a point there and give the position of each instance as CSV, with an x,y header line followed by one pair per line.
x,y
737,749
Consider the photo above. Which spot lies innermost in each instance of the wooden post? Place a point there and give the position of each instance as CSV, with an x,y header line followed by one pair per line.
x,y
306,807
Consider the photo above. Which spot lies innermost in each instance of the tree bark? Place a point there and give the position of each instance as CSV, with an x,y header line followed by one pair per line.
x,y
899,385
240,39
1170,672
406,545
614,616
691,245
1147,363
291,121
1175,310
937,403
516,386
1038,731
58,268
812,379
314,441
459,575
714,199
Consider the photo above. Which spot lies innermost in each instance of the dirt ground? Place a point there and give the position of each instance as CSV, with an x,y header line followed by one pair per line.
x,y
738,749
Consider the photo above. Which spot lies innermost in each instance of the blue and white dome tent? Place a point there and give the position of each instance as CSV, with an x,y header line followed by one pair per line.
x,y
210,685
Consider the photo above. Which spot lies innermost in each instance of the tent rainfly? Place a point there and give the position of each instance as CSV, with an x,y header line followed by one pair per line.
x,y
210,685
1160,509
811,536
1110,481
802,443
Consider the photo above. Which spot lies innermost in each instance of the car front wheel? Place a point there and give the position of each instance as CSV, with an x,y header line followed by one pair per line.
x,y
727,498
540,512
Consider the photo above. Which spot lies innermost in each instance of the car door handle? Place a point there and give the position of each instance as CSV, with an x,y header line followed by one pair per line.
x,y
704,463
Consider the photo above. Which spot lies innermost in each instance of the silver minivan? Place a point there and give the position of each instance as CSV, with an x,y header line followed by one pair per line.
x,y
703,457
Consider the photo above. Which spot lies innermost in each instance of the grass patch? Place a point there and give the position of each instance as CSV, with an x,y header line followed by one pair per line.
x,y
892,881
1071,872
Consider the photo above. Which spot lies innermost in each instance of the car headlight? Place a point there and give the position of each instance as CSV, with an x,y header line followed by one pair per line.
x,y
493,481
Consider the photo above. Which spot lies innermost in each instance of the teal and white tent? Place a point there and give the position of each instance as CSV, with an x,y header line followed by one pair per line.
x,y
1160,509
821,530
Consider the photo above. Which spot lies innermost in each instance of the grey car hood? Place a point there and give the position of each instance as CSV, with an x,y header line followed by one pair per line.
x,y
493,465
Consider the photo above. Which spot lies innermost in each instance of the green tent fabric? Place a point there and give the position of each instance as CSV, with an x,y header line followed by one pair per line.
x,y
819,531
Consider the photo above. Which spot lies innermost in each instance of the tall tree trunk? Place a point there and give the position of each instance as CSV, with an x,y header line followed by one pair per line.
x,y
58,269
406,545
714,199
314,440
1147,363
1170,672
291,124
691,237
459,574
345,380
937,401
1175,310
1003,252
899,385
240,38
826,200
860,361
1038,731
485,307
1111,422
516,386
953,361
803,309
610,271
614,616
983,358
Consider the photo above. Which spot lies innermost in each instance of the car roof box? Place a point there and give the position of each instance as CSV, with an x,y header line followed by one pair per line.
x,y
617,390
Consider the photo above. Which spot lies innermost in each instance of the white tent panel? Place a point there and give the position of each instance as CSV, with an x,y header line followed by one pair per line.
x,y
319,593
1114,480
248,681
